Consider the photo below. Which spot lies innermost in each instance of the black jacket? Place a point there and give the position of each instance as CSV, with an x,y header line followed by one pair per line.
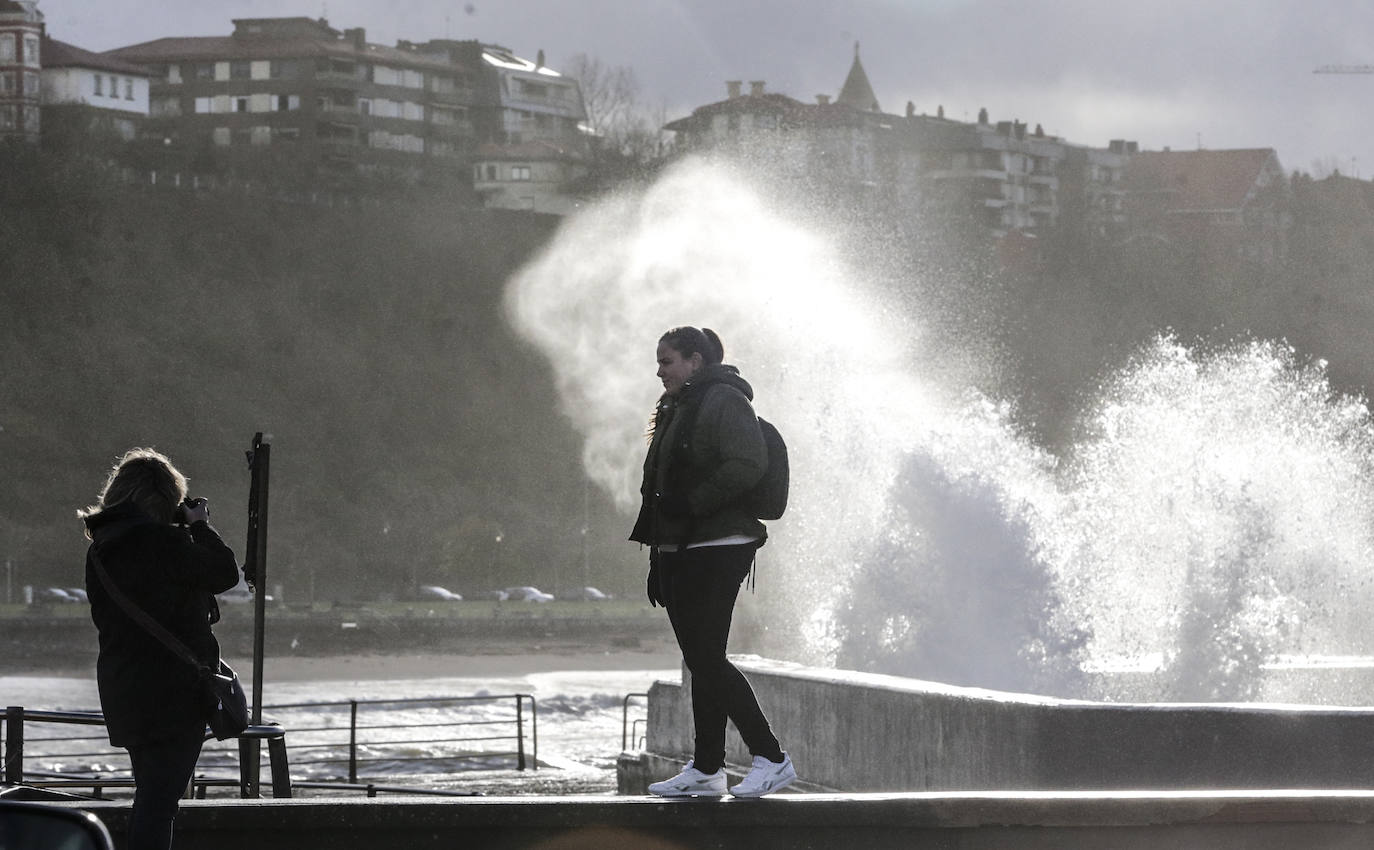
x,y
711,468
146,691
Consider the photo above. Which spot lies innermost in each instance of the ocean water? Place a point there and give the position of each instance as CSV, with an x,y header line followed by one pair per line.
x,y
439,733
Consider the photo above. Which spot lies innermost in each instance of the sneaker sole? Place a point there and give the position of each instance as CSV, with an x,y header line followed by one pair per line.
x,y
687,793
754,795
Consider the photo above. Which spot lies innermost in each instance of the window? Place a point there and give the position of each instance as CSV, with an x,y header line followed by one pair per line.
x,y
8,117
240,104
242,136
99,85
491,172
519,172
288,102
284,68
160,106
30,50
31,119
202,71
240,69
31,84
128,89
7,82
6,47
286,134
205,104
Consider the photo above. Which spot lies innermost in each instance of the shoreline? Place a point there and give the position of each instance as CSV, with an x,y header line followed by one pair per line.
x,y
479,662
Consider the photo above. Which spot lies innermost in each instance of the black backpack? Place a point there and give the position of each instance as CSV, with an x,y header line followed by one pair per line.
x,y
768,498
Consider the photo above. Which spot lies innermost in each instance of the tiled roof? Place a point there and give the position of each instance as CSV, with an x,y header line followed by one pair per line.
x,y
1199,180
749,104
60,54
536,150
221,48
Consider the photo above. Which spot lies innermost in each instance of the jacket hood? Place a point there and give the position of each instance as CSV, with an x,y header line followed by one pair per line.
x,y
718,374
115,520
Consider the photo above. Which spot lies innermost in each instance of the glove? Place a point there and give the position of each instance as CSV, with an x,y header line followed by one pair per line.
x,y
653,586
674,506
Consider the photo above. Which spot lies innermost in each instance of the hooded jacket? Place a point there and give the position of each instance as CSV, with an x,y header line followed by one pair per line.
x,y
147,692
711,467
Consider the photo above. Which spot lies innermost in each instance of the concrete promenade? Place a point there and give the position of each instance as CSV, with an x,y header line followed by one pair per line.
x,y
1149,820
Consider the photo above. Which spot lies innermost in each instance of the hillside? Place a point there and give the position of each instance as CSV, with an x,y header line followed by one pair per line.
x,y
409,428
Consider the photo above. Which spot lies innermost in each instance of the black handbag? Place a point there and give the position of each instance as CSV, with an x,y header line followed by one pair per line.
x,y
222,694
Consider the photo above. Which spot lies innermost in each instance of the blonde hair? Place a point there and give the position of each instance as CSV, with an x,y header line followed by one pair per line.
x,y
147,478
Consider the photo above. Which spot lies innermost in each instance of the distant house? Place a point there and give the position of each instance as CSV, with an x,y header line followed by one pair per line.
x,y
21,33
106,92
527,176
298,90
1230,204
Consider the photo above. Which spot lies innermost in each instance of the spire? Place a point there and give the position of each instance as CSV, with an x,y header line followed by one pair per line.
x,y
857,91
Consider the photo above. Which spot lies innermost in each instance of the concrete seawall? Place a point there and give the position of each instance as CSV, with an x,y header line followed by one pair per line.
x,y
851,731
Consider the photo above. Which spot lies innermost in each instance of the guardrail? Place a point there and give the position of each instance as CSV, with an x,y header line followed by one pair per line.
x,y
630,731
363,738
446,737
16,739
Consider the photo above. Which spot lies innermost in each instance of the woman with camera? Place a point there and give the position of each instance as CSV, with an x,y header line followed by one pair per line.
x,y
705,452
154,548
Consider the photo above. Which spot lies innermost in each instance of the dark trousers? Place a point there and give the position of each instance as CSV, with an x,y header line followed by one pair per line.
x,y
162,770
703,584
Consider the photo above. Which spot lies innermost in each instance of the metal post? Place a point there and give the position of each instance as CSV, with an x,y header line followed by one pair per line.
x,y
519,732
14,745
255,571
281,773
353,742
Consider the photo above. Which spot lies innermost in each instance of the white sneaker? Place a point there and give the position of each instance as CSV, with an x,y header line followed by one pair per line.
x,y
766,777
691,783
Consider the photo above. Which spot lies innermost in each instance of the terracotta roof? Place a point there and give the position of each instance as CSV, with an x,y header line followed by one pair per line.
x,y
212,48
748,104
1199,180
60,54
536,150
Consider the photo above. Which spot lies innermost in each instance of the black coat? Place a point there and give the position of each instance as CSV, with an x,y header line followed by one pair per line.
x,y
147,692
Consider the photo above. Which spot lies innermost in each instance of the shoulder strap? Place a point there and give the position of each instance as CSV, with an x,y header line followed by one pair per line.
x,y
153,627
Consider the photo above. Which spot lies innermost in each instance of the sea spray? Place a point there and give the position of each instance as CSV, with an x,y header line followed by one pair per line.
x,y
1213,511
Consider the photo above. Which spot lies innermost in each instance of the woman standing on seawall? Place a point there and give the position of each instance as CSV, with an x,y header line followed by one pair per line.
x,y
705,452
170,566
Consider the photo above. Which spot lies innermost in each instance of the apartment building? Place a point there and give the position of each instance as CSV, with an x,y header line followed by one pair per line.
x,y
21,34
296,89
98,92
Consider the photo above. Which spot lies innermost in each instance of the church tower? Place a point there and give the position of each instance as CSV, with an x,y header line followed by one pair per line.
x,y
857,92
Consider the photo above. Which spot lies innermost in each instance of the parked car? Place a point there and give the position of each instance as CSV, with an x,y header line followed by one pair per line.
x,y
528,594
53,594
434,591
588,594
79,593
236,595
496,595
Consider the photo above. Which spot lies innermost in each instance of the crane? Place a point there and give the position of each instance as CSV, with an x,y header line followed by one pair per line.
x,y
1344,69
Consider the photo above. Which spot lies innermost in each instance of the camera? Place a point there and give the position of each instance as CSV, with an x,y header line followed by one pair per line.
x,y
179,515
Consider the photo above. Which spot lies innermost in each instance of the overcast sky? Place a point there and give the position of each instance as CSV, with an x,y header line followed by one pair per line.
x,y
1214,73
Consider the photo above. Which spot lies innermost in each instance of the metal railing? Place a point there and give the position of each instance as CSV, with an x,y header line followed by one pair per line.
x,y
362,738
365,742
630,731
17,739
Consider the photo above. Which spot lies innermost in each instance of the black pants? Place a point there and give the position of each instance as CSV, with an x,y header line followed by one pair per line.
x,y
703,584
162,770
